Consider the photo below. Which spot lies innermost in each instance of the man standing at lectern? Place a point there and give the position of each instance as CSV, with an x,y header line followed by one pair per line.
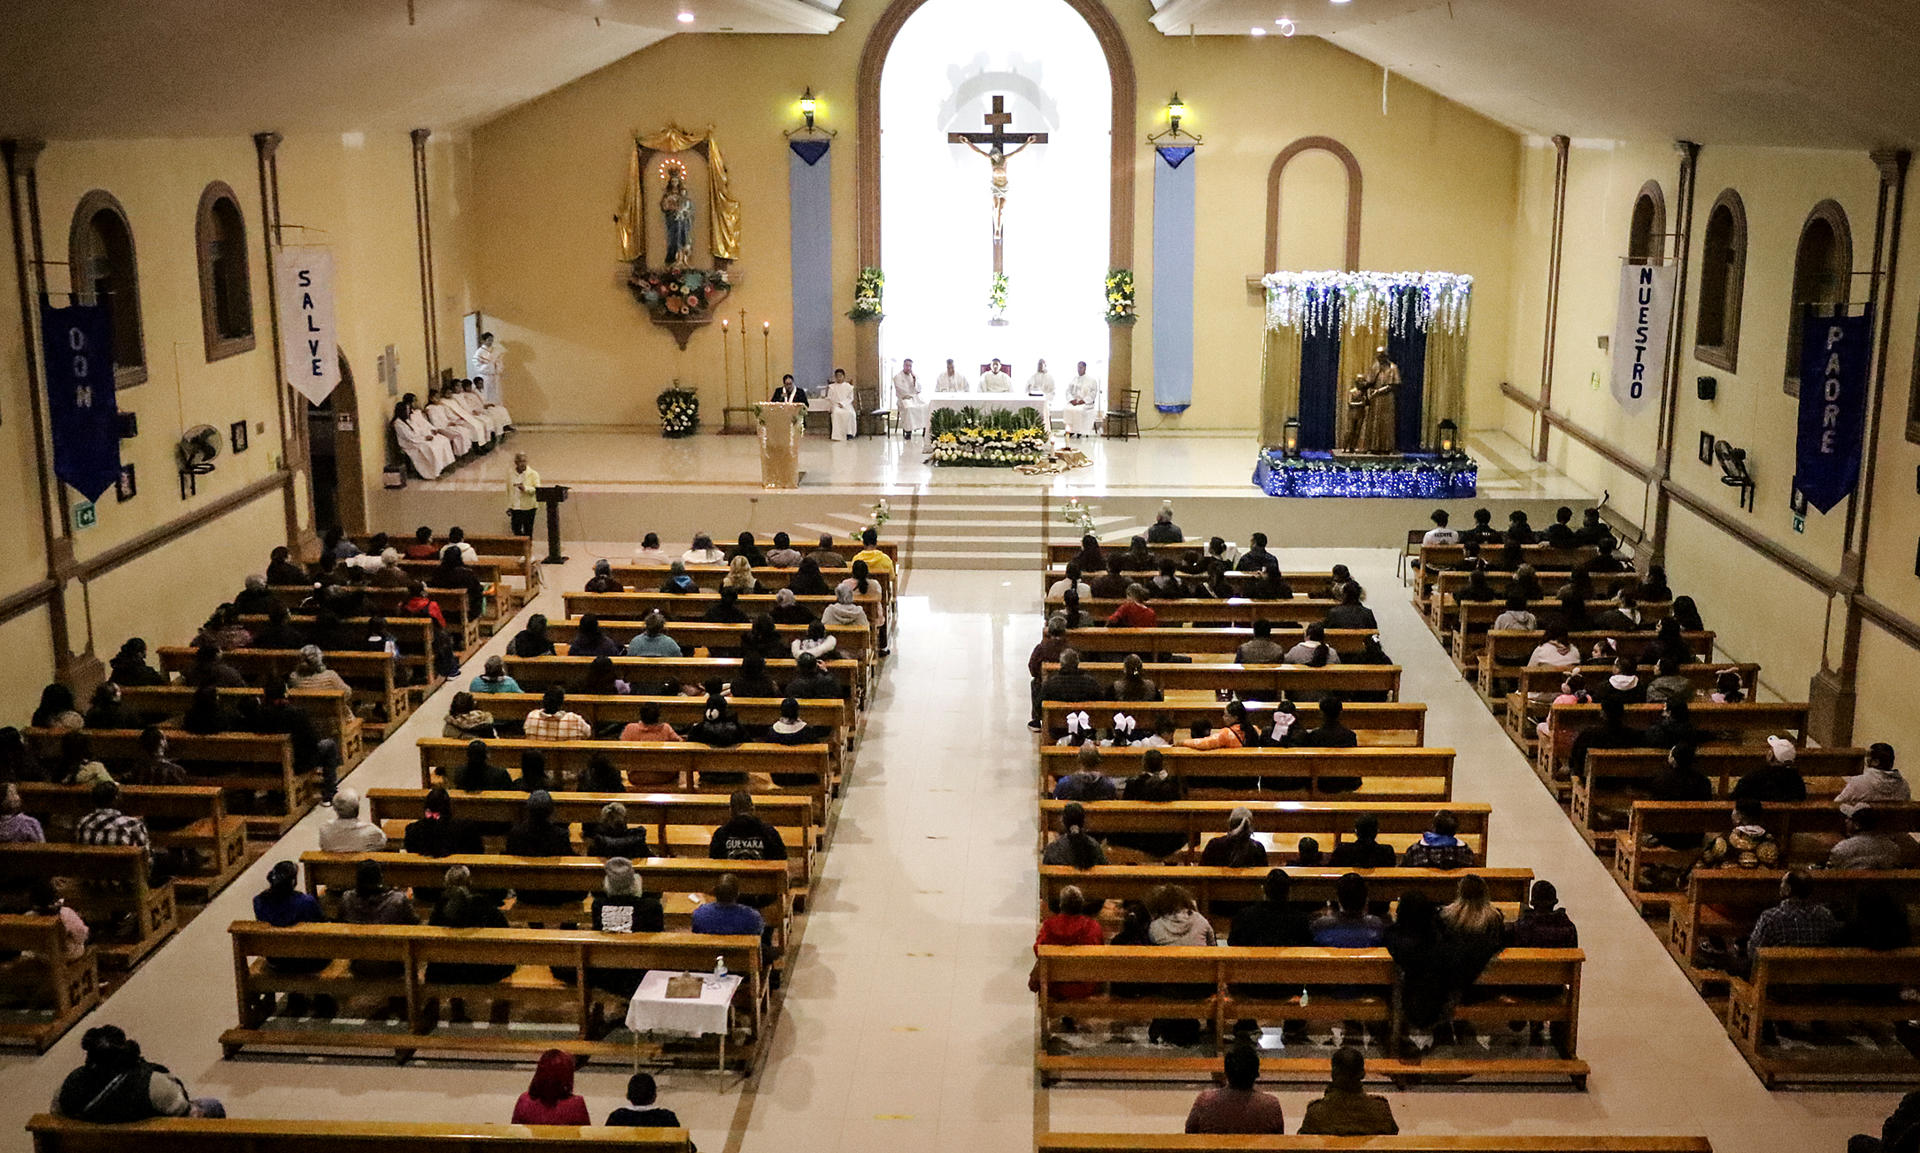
x,y
521,503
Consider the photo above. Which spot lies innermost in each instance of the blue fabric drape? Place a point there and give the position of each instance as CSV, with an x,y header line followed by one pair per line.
x,y
1173,231
78,344
810,216
1407,346
1320,381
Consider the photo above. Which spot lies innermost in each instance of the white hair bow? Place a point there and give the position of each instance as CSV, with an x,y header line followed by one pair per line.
x,y
1078,723
1122,723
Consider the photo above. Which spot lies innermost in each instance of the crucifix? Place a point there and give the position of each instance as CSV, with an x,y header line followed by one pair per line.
x,y
996,140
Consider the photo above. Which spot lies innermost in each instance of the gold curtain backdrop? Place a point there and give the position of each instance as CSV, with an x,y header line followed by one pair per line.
x,y
723,211
1365,319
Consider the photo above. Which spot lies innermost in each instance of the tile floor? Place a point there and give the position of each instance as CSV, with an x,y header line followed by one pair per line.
x,y
907,1022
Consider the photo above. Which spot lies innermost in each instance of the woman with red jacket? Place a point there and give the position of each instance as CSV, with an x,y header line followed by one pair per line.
x,y
550,1099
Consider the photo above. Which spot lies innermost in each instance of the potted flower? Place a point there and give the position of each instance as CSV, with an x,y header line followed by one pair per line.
x,y
868,289
1120,297
679,410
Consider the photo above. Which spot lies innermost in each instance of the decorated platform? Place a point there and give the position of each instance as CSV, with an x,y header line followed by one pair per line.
x,y
1314,473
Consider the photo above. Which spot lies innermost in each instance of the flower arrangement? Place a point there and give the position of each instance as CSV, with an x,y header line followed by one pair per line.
x,y
991,447
1316,301
680,293
1120,297
679,410
1078,515
867,291
879,514
997,419
997,297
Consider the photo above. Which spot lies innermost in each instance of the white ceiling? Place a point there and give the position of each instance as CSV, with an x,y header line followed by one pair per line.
x,y
136,68
1807,73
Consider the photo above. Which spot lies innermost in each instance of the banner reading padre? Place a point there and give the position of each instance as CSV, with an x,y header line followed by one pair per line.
x,y
1834,354
303,289
1640,333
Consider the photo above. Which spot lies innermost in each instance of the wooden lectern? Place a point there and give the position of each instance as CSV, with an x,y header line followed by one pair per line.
x,y
781,426
553,496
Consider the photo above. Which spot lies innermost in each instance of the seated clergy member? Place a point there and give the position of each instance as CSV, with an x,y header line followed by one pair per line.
x,y
1083,403
951,380
907,402
840,396
1238,1108
1344,1110
996,378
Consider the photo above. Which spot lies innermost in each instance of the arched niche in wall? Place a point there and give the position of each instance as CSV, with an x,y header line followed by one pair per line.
x,y
1274,206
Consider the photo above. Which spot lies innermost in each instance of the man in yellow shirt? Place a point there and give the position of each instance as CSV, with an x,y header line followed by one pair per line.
x,y
877,561
521,504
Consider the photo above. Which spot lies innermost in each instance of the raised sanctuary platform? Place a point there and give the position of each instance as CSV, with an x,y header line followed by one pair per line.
x,y
1420,475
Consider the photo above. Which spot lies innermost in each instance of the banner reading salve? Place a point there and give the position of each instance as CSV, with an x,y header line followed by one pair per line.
x,y
303,286
1834,354
1640,333
85,418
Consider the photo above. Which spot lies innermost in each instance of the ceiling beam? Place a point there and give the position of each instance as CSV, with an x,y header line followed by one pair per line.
x,y
805,18
1177,16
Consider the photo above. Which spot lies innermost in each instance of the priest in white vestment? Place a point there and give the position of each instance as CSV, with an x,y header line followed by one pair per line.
x,y
840,396
1083,393
495,414
439,417
996,378
489,362
1041,382
951,380
479,433
906,400
430,453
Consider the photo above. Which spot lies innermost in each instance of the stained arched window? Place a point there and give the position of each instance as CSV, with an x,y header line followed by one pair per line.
x,y
104,271
1647,230
1723,274
1822,274
226,298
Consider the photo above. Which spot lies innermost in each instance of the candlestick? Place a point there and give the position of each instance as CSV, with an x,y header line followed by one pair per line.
x,y
745,388
726,369
766,356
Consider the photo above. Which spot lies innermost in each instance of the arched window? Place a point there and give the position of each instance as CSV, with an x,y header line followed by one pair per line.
x,y
1723,274
1822,273
226,300
1647,231
104,271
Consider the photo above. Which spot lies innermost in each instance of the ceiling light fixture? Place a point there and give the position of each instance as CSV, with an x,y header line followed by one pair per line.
x,y
687,17
1286,26
1258,31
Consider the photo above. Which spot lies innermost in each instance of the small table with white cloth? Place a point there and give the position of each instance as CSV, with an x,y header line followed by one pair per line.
x,y
652,1011
1014,401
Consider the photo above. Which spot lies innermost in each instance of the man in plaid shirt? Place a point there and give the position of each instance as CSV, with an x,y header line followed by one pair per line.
x,y
1795,920
107,825
552,722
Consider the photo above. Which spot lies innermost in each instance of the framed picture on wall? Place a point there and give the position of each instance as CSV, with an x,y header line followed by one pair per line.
x,y
237,436
127,487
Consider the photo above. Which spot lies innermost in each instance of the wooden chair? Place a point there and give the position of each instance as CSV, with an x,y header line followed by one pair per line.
x,y
870,418
1123,423
53,1134
46,992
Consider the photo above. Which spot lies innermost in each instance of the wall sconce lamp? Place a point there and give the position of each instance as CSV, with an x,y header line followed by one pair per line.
x,y
1176,112
809,111
1290,437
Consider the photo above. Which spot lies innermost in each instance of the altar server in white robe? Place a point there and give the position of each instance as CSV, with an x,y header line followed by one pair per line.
x,y
951,380
1041,382
996,378
479,430
907,402
1083,394
840,396
489,363
442,418
430,452
496,415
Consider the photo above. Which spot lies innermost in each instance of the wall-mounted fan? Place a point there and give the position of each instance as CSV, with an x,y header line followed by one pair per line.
x,y
1733,469
196,451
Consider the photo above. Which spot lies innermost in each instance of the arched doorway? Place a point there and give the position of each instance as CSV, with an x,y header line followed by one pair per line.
x,y
333,448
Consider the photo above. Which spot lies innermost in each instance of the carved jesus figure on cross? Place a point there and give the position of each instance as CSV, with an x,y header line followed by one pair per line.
x,y
996,140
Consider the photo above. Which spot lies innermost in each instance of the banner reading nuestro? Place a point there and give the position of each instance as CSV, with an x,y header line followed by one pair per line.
x,y
303,289
1834,354
1640,333
85,418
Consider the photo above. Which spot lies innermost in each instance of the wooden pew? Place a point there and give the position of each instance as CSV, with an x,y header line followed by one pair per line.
x,y
464,626
806,542
1805,831
1616,778
691,763
1215,642
535,674
853,642
190,817
683,823
1424,775
331,874
330,712
1378,724
1061,551
513,554
499,600
1521,713
1508,650
47,993
635,604
531,988
1436,559
1746,723
1236,612
1537,985
52,1134
1315,585
651,576
101,882
1465,624
1442,598
244,764
602,711
1281,822
369,675
1220,892
413,635
1191,1143
1801,986
1724,903
1255,682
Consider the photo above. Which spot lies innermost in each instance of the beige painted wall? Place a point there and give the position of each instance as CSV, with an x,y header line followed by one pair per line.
x,y
25,561
29,648
166,594
1439,187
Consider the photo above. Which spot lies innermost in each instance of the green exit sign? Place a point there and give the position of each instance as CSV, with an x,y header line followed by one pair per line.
x,y
85,515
